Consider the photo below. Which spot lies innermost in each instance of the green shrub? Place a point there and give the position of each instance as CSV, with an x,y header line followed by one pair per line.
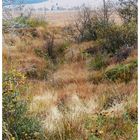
x,y
122,72
130,33
114,39
17,124
36,22
111,37
29,22
98,62
119,73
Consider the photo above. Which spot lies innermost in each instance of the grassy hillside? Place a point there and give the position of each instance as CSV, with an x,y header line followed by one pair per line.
x,y
85,90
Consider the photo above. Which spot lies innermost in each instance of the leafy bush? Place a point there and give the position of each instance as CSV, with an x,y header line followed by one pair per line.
x,y
116,36
124,72
130,33
112,37
98,62
119,73
17,124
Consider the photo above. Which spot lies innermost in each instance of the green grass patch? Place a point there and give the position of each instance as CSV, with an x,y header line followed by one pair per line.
x,y
122,72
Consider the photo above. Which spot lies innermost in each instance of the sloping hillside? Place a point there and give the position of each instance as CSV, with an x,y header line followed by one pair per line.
x,y
75,82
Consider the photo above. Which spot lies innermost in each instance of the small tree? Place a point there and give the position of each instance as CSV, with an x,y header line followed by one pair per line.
x,y
104,13
84,26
